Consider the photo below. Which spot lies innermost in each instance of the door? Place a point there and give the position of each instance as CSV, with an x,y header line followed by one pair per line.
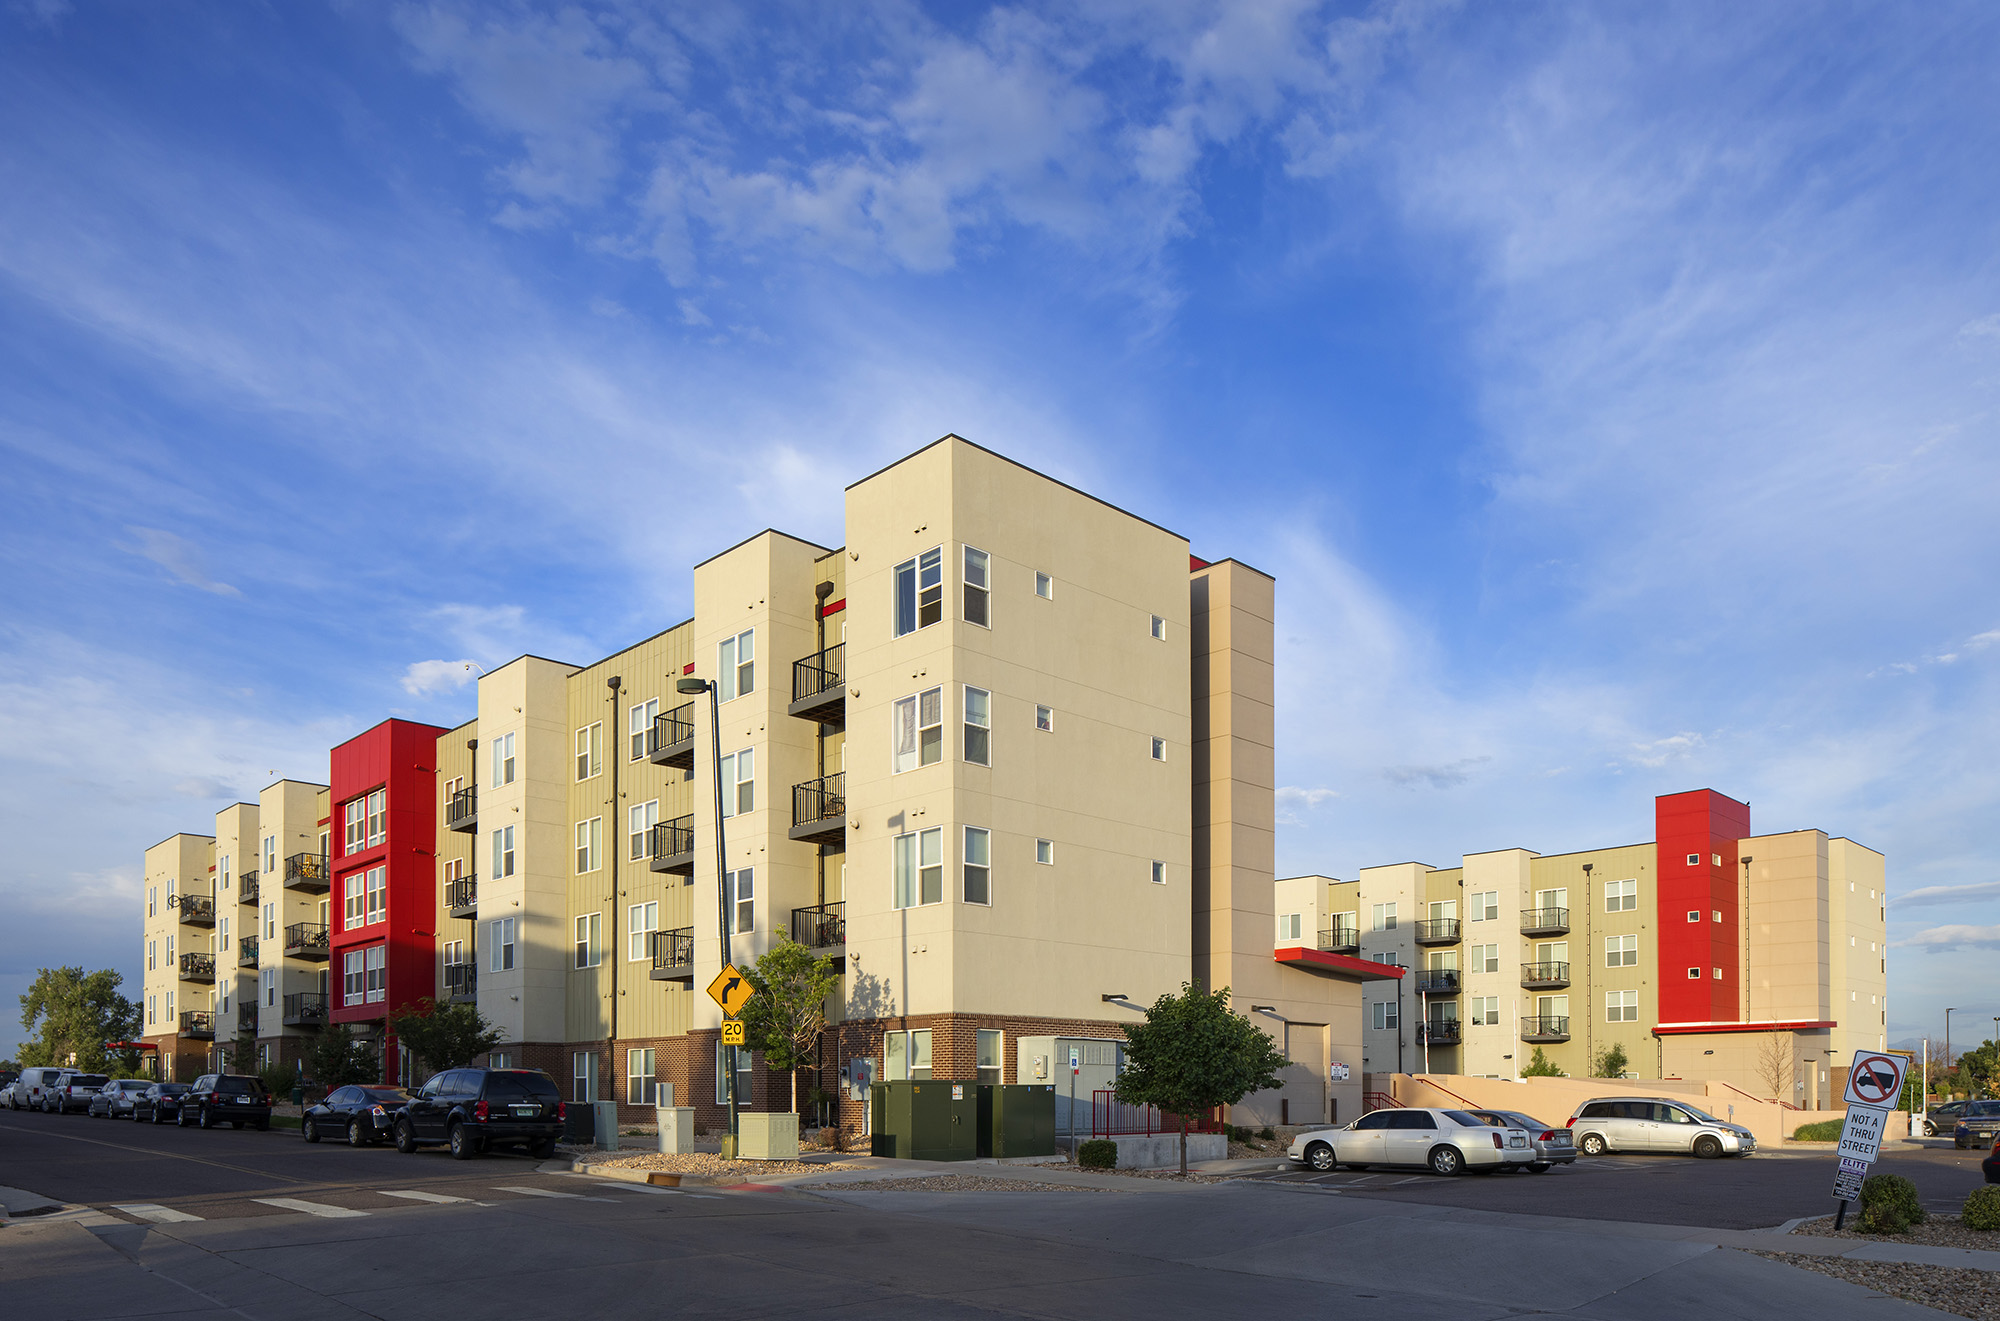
x,y
1673,1129
427,1111
1362,1144
1634,1129
1412,1134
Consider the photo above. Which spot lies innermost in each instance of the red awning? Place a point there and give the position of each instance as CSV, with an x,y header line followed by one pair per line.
x,y
1336,965
1786,1025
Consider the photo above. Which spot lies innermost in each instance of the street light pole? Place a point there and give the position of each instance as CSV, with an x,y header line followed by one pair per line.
x,y
721,885
1947,1039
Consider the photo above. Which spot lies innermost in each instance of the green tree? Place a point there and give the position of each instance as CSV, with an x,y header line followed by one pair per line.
x,y
68,1013
1610,1062
335,1057
787,1013
1194,1053
1982,1067
1541,1066
444,1036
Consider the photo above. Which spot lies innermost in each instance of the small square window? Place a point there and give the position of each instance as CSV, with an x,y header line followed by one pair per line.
x,y
1045,852
1718,859
1045,719
1718,974
1159,628
1694,915
1159,872
1045,586
1694,860
1718,915
1159,749
1694,974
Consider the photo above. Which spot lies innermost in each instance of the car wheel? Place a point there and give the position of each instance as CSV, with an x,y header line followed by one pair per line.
x,y
204,1119
308,1129
355,1137
1320,1156
1539,1166
406,1138
462,1145
1447,1160
1707,1147
1592,1144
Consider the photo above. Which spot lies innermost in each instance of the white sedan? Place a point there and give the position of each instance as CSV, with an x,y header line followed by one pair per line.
x,y
1442,1141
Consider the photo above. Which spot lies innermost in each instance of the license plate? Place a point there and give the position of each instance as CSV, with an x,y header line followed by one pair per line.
x,y
1518,1142
527,1112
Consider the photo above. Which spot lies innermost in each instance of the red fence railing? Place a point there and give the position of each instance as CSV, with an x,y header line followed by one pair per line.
x,y
1110,1117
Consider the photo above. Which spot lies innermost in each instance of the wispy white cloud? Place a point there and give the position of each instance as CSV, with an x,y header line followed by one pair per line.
x,y
179,557
1946,894
1937,940
434,678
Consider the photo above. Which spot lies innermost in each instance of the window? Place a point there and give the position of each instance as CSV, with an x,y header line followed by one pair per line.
x,y
454,870
354,894
1045,719
171,883
1159,749
499,1059
589,939
640,1088
378,973
503,852
270,921
378,894
906,1056
1484,958
1694,860
152,1009
1718,859
152,901
919,868
378,816
170,1006
1159,628
1694,915
1483,1010
583,1075
271,854
978,726
1384,916
589,845
503,760
170,951
1694,974
641,921
1045,586
976,587
917,733
1483,906
1159,872
739,786
736,666
920,591
722,1074
1045,852
1288,926
589,750
268,994
351,976
500,945
978,866
452,952
1621,1006
739,891
1621,896
1621,951
639,822
1384,1014
152,955
1718,974
355,815
222,873
221,935
638,722
991,1043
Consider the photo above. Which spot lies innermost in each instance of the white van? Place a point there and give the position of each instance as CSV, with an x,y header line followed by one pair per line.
x,y
26,1091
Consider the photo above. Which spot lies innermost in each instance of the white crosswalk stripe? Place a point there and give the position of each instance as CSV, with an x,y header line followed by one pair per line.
x,y
548,1192
164,1215
320,1209
411,1194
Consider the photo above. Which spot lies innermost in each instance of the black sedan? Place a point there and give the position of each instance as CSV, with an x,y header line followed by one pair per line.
x,y
363,1115
114,1100
1978,1124
160,1103
1990,1167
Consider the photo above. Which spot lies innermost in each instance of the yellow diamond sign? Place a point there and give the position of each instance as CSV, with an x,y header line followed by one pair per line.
x,y
731,990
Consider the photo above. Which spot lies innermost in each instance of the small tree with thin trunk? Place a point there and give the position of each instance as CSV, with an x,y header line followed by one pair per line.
x,y
1192,1054
444,1036
1541,1066
334,1057
1611,1062
1774,1065
787,1012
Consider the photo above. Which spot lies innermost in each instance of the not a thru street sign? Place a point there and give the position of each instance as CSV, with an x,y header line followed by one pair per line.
x,y
1861,1136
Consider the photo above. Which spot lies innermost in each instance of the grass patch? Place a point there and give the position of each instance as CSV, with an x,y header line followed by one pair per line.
x,y
1825,1131
284,1121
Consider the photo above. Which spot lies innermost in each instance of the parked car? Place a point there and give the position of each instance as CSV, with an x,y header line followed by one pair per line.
x,y
226,1098
1978,1124
1990,1167
1553,1144
474,1110
1644,1123
364,1115
159,1103
1442,1141
7,1077
1941,1118
25,1092
71,1091
114,1099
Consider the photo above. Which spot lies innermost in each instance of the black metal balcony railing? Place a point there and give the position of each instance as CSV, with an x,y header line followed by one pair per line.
x,y
305,1009
1438,981
246,1019
246,888
197,968
1438,1032
819,687
461,981
197,910
461,810
670,742
306,940
819,810
673,954
197,1023
308,873
670,845
1340,939
246,952
1438,931
461,897
820,927
1544,921
1553,973
1545,1027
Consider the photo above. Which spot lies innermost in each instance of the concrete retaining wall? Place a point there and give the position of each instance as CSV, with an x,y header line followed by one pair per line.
x,y
1162,1151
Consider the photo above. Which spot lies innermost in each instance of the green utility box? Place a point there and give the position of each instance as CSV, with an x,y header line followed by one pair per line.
x,y
1017,1120
924,1120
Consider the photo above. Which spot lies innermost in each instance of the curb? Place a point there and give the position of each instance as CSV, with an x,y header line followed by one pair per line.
x,y
653,1178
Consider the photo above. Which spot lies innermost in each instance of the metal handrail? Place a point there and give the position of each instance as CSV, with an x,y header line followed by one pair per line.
x,y
197,908
461,979
1545,919
306,1005
461,893
197,1022
1438,981
819,672
671,839
1438,1031
670,727
673,949
246,888
824,799
822,926
307,867
198,965
1340,937
1553,970
305,935
463,805
1438,928
1545,1025
246,951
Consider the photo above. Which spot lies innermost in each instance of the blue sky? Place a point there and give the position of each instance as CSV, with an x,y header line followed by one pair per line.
x,y
1612,392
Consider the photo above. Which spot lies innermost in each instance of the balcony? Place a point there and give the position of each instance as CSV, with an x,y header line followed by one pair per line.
x,y
672,845
1545,976
821,928
246,1019
1438,981
819,688
246,889
246,952
1438,1032
1545,921
305,1009
461,981
306,940
307,873
670,742
1545,1027
1340,940
673,955
197,968
197,910
461,897
819,811
1438,931
198,1023
461,810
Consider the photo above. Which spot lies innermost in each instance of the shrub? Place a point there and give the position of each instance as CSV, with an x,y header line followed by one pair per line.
x,y
1827,1131
1267,1133
1982,1209
1098,1154
1238,1133
1884,1218
1892,1190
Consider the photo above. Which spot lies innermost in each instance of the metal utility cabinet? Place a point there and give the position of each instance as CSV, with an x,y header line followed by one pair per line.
x,y
1017,1120
925,1120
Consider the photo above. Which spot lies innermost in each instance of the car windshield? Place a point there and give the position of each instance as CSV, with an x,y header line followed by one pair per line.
x,y
1701,1117
134,1085
1464,1120
1983,1110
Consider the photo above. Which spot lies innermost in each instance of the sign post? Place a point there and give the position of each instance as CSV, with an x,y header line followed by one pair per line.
x,y
1874,1084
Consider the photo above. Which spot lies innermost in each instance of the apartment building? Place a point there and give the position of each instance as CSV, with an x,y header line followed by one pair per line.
x,y
1703,953
1005,756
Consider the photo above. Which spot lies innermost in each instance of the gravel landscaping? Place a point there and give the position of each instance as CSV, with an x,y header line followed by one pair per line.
x,y
1937,1231
958,1183
1954,1289
702,1162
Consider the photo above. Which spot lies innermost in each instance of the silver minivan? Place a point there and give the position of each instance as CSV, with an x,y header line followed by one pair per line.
x,y
26,1092
1650,1123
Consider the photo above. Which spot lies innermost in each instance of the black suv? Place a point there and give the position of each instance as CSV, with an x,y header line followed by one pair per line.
x,y
233,1098
471,1110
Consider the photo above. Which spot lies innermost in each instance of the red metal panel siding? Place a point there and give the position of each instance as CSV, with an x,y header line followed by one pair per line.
x,y
1705,824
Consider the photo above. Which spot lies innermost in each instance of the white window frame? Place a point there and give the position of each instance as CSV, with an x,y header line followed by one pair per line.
x,y
641,921
641,1078
1045,586
271,921
221,873
503,760
739,783
901,1052
639,719
739,895
268,992
1694,974
977,568
976,863
589,940
1621,951
1383,917
1483,958
378,817
378,894
354,824
1159,872
736,666
1484,906
221,934
1045,719
270,854
916,731
978,733
376,967
590,751
1621,1006
1045,852
503,852
1485,1010
912,868
152,955
1621,896
1289,925
583,1076
1384,1016
354,899
982,1039
152,901
589,845
500,945
1159,749
353,977
745,1075
924,575
640,818
1159,628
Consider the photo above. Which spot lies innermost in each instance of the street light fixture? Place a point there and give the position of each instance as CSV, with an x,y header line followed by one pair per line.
x,y
1947,1035
690,687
